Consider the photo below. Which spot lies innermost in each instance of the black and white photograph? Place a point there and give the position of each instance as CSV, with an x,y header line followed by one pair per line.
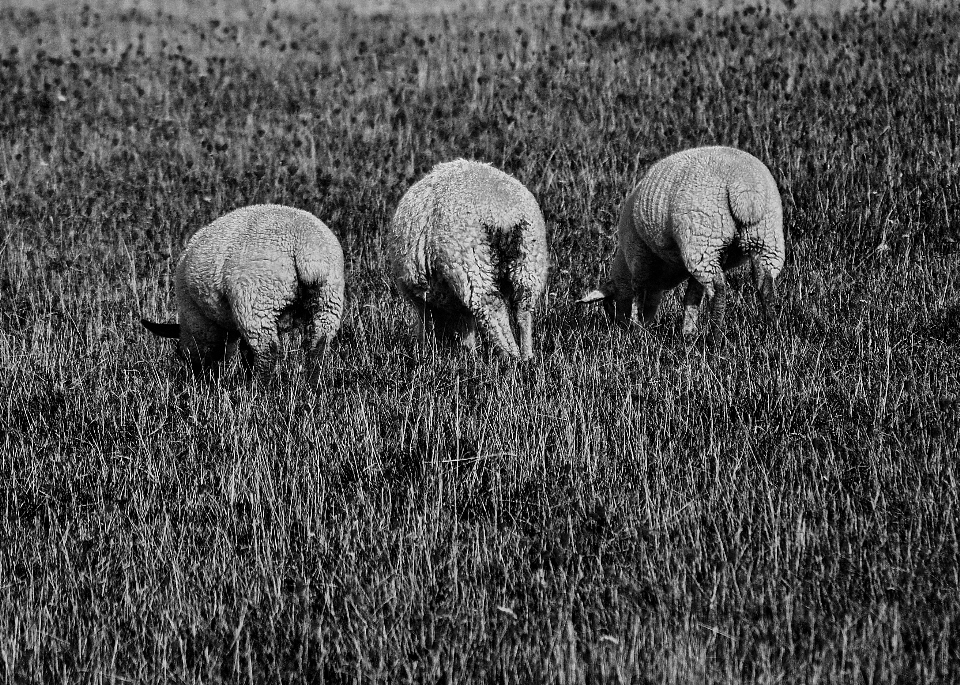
x,y
480,341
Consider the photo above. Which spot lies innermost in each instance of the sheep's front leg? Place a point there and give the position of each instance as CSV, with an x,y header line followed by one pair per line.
x,y
204,349
427,316
619,309
467,329
648,302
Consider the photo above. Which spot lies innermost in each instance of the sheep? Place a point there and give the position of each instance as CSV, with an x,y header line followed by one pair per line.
x,y
695,213
248,276
467,247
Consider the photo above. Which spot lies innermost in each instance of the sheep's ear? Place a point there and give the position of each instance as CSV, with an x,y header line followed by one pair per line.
x,y
162,330
597,295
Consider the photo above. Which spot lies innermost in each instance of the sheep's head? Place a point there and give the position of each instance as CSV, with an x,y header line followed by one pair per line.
x,y
615,294
617,307
165,330
202,360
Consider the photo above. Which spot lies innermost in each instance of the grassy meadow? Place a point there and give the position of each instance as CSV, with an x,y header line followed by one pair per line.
x,y
625,508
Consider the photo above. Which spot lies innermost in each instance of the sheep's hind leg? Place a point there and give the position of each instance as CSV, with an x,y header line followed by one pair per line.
x,y
524,302
325,311
256,317
527,278
525,324
264,346
718,306
321,326
525,299
767,289
691,308
527,290
707,280
478,293
236,343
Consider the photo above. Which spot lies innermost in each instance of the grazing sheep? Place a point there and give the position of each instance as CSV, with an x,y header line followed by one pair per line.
x,y
468,247
695,213
248,276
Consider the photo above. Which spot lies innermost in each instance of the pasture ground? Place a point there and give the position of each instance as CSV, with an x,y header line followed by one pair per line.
x,y
623,509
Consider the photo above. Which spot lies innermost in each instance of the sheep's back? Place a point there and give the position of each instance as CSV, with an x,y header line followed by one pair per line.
x,y
701,196
467,216
476,203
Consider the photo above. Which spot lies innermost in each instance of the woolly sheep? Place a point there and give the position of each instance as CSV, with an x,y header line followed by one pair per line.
x,y
695,213
248,276
468,247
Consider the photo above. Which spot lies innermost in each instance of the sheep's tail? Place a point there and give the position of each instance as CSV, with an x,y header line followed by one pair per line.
x,y
319,267
521,252
506,242
316,263
758,214
748,203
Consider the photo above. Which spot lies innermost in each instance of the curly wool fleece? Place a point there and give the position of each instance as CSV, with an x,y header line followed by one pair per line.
x,y
468,249
694,215
251,274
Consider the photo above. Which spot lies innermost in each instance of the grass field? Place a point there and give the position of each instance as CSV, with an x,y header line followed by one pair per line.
x,y
625,508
